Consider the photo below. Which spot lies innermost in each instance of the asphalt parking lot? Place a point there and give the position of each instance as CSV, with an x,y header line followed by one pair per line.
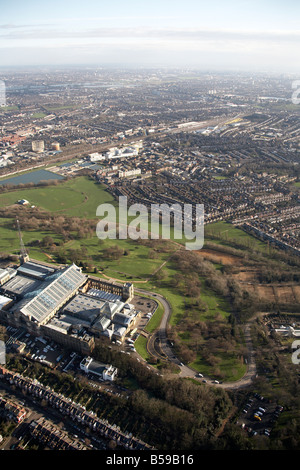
x,y
258,415
143,304
38,349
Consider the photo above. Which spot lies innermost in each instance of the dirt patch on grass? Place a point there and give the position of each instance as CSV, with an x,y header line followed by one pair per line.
x,y
282,294
219,257
296,290
247,276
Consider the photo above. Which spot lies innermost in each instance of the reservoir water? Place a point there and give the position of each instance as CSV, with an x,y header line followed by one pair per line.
x,y
32,177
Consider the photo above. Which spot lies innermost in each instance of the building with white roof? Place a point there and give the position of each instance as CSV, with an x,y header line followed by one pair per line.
x,y
289,331
96,157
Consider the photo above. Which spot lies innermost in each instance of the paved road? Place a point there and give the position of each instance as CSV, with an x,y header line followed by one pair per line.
x,y
186,371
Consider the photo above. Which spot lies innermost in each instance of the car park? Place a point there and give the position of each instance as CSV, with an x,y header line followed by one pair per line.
x,y
261,419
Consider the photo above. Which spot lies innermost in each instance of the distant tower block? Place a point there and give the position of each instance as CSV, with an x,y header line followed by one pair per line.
x,y
38,146
56,146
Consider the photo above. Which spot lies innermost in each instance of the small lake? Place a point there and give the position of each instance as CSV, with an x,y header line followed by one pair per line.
x,y
32,177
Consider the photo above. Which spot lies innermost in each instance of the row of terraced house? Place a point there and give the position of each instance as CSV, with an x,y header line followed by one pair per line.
x,y
75,411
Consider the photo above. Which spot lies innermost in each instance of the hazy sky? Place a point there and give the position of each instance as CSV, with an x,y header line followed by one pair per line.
x,y
214,34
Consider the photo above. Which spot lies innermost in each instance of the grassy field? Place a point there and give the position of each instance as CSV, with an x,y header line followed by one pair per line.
x,y
141,347
51,198
226,233
38,115
155,320
9,240
219,177
230,365
134,264
78,197
214,304
60,108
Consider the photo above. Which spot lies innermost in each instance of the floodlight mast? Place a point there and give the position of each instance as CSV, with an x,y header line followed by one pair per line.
x,y
23,257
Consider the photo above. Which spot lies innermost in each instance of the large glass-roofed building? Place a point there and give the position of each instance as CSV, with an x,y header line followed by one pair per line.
x,y
56,291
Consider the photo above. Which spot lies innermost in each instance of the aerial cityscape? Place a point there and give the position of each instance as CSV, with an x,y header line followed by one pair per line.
x,y
120,335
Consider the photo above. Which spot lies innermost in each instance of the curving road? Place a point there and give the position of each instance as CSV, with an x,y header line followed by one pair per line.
x,y
158,346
